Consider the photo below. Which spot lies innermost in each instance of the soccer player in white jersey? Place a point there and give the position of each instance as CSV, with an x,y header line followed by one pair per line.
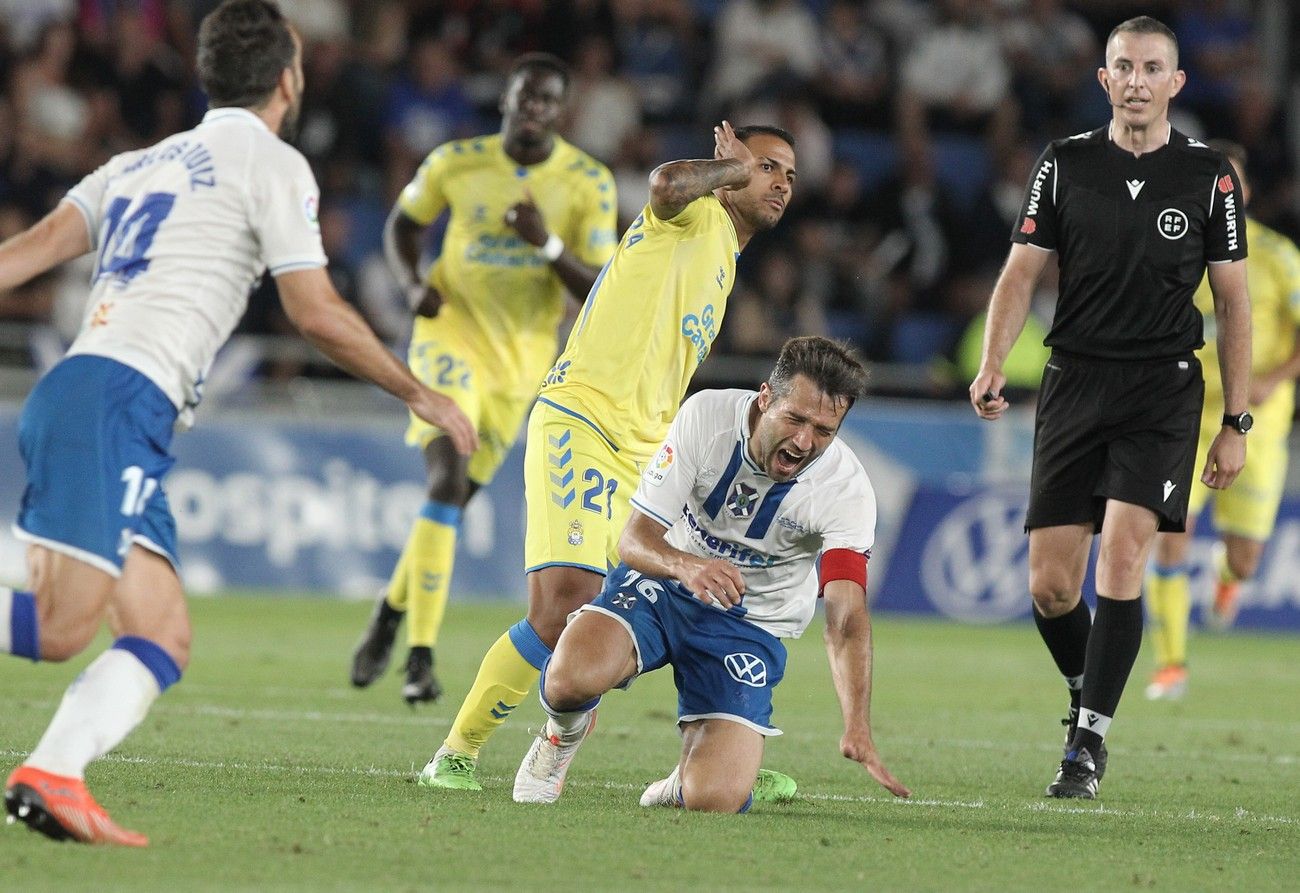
x,y
181,232
718,566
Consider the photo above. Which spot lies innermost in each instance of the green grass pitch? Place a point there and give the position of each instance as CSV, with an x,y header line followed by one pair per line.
x,y
264,770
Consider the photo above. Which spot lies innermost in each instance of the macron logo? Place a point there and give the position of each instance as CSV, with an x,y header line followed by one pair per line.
x,y
1134,187
1169,488
1091,719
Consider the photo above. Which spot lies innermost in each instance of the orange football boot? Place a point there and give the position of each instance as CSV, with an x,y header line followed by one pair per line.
x,y
1224,612
1168,684
61,808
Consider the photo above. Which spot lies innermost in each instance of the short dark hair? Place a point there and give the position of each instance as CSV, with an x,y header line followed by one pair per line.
x,y
244,46
1145,25
544,61
744,133
831,365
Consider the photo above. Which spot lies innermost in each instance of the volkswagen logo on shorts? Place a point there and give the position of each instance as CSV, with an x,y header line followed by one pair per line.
x,y
975,565
1172,223
746,669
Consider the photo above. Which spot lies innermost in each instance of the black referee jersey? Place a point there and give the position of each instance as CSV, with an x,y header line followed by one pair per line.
x,y
1133,236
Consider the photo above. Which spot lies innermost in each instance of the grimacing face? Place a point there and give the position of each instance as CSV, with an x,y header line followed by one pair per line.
x,y
795,428
1140,78
764,200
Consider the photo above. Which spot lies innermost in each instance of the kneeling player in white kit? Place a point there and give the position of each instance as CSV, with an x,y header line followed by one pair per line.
x,y
182,231
718,565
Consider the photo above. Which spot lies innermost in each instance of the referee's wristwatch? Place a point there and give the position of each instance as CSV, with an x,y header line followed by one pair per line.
x,y
1241,422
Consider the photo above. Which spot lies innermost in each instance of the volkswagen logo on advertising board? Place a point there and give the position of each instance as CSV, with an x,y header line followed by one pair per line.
x,y
975,565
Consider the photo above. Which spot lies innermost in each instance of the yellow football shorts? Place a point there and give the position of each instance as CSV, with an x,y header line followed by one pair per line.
x,y
440,360
578,488
1248,508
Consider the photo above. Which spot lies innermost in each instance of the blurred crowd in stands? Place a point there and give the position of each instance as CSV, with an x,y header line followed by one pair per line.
x,y
918,122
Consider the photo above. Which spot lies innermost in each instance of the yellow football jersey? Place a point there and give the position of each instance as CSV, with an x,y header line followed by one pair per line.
x,y
649,321
1273,273
500,297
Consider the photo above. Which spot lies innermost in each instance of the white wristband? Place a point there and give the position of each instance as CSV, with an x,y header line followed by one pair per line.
x,y
553,248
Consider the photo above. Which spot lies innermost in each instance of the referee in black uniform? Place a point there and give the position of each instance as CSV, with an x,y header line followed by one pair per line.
x,y
1135,212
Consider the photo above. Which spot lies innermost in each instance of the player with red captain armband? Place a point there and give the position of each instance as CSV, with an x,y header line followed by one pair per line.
x,y
842,564
717,567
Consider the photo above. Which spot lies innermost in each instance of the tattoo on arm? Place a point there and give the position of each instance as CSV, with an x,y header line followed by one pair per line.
x,y
675,185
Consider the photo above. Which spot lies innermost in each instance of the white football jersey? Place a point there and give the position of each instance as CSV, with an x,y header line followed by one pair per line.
x,y
704,486
182,231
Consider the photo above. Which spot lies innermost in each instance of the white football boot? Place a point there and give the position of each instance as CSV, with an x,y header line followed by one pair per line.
x,y
540,778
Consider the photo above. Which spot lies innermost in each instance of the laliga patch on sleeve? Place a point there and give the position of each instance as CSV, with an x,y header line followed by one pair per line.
x,y
311,209
658,469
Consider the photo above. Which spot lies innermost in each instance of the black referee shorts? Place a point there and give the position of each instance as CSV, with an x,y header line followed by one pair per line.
x,y
1114,429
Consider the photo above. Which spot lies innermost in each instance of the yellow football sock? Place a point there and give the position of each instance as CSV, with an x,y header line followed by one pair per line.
x,y
1155,599
1169,600
429,556
509,669
1178,611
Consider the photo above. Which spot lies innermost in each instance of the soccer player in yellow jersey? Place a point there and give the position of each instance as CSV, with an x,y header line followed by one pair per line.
x,y
606,404
530,217
1244,513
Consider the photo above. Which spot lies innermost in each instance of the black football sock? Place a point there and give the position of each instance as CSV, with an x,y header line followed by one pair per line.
x,y
1066,638
1112,650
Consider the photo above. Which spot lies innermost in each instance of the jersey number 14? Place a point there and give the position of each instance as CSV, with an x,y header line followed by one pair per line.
x,y
128,234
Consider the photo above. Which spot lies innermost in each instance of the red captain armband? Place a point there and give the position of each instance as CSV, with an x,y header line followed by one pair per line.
x,y
842,564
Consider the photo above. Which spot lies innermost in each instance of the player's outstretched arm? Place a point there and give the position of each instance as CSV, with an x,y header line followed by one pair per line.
x,y
848,645
1008,310
339,332
1227,454
676,184
643,548
57,237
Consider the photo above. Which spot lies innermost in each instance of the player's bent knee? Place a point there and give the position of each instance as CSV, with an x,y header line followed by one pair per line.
x,y
565,692
714,795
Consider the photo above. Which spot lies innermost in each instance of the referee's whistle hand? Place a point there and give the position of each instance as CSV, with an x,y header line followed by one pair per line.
x,y
986,395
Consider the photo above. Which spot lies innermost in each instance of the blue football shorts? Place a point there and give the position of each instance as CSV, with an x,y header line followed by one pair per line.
x,y
724,667
95,436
